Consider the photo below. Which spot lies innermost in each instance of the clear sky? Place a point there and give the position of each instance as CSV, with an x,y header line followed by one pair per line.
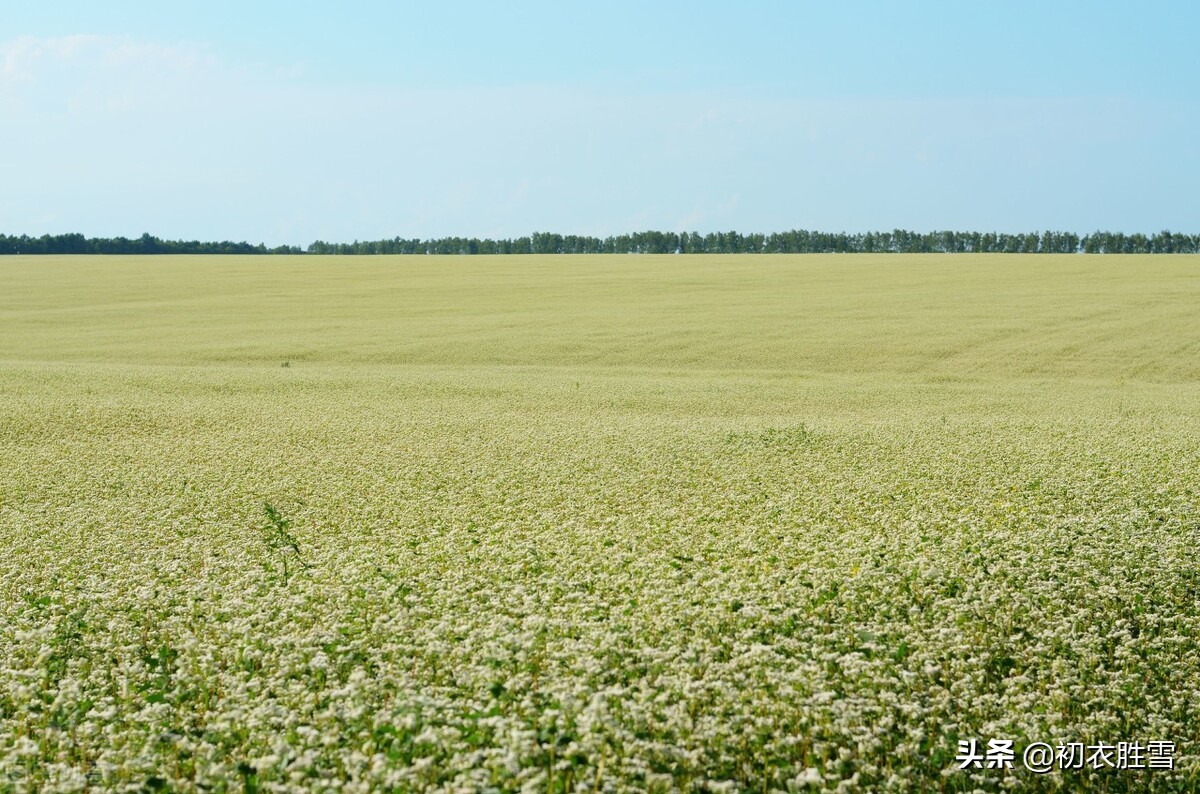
x,y
285,122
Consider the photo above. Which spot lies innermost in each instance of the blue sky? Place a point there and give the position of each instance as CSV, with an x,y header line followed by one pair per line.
x,y
288,122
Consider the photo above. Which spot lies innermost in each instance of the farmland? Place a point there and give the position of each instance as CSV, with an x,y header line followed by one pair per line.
x,y
595,523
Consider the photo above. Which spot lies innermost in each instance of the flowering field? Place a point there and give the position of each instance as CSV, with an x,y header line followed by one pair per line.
x,y
596,524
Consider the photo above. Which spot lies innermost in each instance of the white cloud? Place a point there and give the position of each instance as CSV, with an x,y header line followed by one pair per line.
x,y
21,57
28,59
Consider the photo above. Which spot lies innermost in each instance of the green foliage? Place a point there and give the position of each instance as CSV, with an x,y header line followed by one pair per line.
x,y
283,546
649,242
789,242
117,246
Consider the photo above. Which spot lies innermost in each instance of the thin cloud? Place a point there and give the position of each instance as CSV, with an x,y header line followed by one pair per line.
x,y
88,57
22,56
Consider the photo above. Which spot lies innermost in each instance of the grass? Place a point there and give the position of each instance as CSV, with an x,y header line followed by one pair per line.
x,y
595,523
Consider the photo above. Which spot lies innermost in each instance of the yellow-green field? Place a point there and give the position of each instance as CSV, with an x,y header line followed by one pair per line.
x,y
595,523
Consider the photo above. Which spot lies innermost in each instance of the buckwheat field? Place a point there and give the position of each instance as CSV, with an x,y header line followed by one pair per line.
x,y
774,523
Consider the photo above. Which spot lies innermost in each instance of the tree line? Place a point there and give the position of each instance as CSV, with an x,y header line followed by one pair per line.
x,y
146,244
649,242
